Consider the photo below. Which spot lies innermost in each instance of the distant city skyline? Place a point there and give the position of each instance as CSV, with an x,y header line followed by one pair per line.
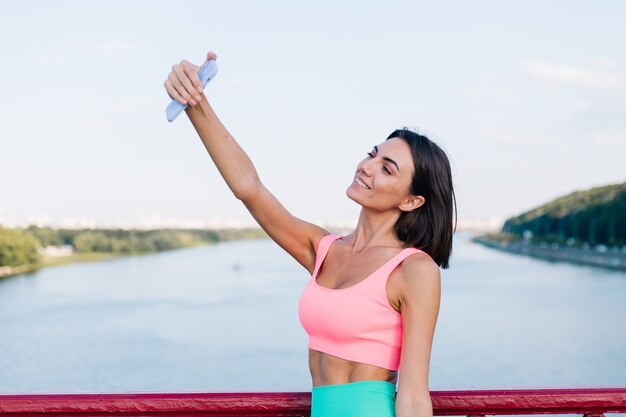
x,y
156,221
528,99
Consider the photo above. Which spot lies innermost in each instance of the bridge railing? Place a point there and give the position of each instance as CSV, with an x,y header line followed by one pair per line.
x,y
588,402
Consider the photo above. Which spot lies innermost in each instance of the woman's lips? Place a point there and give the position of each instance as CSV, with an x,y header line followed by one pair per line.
x,y
361,183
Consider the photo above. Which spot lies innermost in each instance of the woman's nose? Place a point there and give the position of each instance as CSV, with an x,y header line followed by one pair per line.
x,y
366,166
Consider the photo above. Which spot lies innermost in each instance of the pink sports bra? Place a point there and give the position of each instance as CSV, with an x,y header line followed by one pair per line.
x,y
355,323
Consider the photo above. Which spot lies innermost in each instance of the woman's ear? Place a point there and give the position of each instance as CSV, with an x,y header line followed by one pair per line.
x,y
412,203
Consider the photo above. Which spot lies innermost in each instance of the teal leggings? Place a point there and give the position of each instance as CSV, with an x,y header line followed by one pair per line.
x,y
355,399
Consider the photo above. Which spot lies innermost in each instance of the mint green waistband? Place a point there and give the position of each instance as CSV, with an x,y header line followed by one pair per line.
x,y
354,399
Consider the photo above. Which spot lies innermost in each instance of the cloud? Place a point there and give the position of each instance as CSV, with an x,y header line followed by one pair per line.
x,y
105,111
112,48
133,103
610,139
50,59
598,116
571,75
106,48
136,103
97,123
491,133
607,63
490,91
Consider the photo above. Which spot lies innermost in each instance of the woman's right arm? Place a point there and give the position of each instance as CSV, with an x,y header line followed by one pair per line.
x,y
299,238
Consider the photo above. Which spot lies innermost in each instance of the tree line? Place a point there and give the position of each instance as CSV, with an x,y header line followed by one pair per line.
x,y
596,216
19,247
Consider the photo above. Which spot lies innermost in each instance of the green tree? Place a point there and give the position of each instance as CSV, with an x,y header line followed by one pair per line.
x,y
18,248
92,241
46,235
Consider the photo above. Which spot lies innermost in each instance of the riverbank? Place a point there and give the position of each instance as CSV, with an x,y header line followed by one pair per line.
x,y
39,248
608,258
76,257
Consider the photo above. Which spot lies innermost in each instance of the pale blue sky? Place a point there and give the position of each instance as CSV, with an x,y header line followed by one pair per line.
x,y
528,99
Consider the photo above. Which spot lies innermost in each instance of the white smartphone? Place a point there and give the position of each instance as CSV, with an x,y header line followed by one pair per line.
x,y
206,74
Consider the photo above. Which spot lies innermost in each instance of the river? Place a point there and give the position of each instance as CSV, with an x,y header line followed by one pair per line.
x,y
224,317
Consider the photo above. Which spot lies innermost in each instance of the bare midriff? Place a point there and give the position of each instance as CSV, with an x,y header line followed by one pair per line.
x,y
329,370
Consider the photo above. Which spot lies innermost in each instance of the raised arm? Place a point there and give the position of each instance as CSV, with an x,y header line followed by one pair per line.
x,y
297,237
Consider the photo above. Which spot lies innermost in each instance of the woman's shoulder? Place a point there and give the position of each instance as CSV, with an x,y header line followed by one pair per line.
x,y
419,266
416,280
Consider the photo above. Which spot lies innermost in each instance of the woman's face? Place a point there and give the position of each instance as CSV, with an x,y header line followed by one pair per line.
x,y
383,179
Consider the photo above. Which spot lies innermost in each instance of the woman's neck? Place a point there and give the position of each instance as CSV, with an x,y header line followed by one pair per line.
x,y
374,229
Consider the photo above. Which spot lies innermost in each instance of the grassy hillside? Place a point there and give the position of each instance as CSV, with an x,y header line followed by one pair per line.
x,y
595,216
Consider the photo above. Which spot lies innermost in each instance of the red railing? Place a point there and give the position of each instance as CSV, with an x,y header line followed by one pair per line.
x,y
590,402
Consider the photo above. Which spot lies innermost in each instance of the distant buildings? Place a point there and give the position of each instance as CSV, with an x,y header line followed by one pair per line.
x,y
56,251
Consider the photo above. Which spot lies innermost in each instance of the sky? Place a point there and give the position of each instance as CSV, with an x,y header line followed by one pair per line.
x,y
528,100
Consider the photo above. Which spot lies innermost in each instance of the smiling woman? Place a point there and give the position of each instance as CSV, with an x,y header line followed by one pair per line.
x,y
371,306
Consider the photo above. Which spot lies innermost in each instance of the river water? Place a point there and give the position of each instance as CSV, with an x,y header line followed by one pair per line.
x,y
224,318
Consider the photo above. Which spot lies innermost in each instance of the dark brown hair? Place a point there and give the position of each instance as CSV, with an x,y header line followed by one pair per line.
x,y
429,227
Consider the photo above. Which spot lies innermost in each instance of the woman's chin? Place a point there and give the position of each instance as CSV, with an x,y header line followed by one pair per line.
x,y
352,195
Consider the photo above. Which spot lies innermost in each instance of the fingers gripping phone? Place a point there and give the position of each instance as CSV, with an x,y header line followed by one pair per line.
x,y
206,74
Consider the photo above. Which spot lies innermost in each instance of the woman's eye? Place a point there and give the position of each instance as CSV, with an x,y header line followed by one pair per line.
x,y
386,170
371,155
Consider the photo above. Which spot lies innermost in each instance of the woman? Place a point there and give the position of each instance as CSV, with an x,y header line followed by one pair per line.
x,y
371,306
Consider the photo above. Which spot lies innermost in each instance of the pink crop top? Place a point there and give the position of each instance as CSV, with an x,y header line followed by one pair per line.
x,y
354,323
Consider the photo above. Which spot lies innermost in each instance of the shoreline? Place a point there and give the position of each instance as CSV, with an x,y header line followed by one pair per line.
x,y
608,259
173,240
52,261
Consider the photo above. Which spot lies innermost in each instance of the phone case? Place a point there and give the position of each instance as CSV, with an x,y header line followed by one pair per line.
x,y
206,74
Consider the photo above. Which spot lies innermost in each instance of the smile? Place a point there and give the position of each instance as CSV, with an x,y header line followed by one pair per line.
x,y
358,181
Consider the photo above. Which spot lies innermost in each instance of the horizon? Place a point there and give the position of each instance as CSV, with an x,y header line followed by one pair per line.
x,y
156,223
